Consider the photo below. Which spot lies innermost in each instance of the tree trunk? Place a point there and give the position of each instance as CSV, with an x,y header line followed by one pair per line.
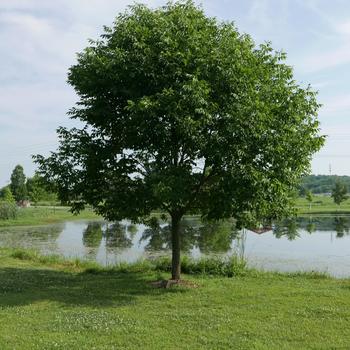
x,y
175,244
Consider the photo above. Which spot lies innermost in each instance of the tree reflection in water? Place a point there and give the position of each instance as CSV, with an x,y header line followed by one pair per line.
x,y
158,238
311,227
116,236
208,237
92,235
205,237
216,237
341,226
287,228
132,230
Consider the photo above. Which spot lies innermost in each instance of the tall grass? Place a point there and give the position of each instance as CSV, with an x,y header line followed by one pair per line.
x,y
53,260
229,267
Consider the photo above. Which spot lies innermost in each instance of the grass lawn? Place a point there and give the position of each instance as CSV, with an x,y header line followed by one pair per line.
x,y
61,306
322,205
46,215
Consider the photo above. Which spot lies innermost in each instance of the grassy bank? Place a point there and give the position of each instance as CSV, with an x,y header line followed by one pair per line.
x,y
47,303
46,215
322,205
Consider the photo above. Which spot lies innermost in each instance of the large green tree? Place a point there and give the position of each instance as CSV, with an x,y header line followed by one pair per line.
x,y
183,113
18,183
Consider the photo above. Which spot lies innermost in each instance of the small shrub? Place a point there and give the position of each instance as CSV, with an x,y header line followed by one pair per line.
x,y
7,210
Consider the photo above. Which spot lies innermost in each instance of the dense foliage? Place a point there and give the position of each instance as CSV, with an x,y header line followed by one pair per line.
x,y
183,113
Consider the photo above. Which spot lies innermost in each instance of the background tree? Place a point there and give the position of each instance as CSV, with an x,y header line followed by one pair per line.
x,y
309,197
183,113
6,195
18,184
8,208
339,192
39,190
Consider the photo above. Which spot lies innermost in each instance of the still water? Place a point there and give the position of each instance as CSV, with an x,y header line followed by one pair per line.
x,y
303,244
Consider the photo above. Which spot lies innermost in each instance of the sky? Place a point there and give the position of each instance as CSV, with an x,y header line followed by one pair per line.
x,y
39,40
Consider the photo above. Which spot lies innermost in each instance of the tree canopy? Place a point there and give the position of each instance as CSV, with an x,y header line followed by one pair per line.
x,y
183,113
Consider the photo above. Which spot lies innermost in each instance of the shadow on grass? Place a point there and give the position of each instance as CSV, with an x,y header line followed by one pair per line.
x,y
27,286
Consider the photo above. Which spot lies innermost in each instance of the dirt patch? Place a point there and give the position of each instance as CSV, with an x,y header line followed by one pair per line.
x,y
172,283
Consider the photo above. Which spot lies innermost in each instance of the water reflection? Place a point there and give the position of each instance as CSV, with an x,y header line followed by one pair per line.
x,y
158,238
216,237
341,226
318,243
287,228
92,235
291,228
209,237
117,236
310,226
132,230
44,237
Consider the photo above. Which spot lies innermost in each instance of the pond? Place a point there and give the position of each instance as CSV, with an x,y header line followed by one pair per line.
x,y
303,244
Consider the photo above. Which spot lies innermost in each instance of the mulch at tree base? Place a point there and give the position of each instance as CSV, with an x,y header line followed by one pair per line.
x,y
171,283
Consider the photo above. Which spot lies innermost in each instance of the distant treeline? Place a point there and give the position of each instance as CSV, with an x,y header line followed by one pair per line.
x,y
22,189
322,183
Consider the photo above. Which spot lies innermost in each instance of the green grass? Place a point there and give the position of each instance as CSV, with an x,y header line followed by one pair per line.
x,y
46,215
322,205
52,304
232,266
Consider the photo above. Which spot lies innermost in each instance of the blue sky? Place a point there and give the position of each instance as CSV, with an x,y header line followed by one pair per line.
x,y
39,40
